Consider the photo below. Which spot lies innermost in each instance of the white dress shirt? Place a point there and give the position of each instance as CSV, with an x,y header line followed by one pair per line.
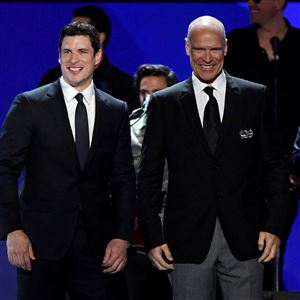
x,y
71,103
202,98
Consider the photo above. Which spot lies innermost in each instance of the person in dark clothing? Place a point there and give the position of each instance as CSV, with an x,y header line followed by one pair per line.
x,y
69,226
144,282
107,77
251,56
265,52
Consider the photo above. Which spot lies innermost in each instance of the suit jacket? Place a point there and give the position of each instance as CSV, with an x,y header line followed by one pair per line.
x,y
244,183
36,137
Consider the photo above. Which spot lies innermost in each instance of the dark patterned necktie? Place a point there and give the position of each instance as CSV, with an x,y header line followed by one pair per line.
x,y
211,119
81,130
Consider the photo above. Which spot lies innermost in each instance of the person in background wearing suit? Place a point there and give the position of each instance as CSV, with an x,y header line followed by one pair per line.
x,y
145,282
108,78
69,228
228,177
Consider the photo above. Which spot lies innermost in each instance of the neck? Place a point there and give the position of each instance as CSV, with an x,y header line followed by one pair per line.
x,y
275,27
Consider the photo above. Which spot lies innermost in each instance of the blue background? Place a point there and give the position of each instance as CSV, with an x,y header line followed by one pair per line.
x,y
142,33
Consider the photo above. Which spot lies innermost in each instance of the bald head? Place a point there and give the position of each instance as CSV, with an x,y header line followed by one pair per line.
x,y
206,22
206,46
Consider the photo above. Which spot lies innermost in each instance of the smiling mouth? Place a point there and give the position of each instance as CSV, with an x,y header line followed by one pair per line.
x,y
209,67
73,69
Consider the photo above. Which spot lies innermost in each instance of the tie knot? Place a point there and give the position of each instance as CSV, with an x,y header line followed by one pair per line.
x,y
79,97
209,91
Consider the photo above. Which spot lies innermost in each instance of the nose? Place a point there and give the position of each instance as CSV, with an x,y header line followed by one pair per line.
x,y
74,57
207,56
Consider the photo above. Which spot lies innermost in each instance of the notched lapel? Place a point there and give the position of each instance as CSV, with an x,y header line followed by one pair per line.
x,y
232,112
190,109
61,122
99,125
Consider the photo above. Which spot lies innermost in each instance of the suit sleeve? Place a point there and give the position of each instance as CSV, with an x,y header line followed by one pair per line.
x,y
276,172
295,157
150,177
123,181
15,140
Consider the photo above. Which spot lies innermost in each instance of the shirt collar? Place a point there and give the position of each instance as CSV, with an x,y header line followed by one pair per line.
x,y
218,84
69,92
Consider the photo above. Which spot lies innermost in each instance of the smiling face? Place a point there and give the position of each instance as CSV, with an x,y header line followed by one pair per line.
x,y
78,61
206,46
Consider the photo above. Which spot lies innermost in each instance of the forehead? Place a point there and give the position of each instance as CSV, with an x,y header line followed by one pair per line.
x,y
153,82
207,35
76,41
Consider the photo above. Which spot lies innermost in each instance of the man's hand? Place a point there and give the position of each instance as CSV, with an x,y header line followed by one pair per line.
x,y
19,250
295,181
268,243
161,257
115,256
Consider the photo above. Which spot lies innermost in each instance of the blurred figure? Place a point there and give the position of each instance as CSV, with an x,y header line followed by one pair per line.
x,y
149,78
108,78
265,52
144,281
68,229
225,156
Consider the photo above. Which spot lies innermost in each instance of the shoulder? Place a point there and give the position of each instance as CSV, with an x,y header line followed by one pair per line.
x,y
175,90
113,71
233,81
110,101
40,93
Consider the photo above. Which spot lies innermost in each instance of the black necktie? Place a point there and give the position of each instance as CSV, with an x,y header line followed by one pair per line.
x,y
81,130
211,119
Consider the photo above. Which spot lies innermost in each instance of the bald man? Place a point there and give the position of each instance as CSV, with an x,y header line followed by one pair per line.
x,y
228,176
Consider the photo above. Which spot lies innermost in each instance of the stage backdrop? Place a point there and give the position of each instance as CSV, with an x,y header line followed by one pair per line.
x,y
142,33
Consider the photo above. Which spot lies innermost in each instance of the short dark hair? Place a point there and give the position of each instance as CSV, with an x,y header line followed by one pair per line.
x,y
98,17
79,28
154,70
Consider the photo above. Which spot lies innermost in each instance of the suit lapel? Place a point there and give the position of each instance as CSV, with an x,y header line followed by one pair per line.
x,y
190,109
59,112
99,125
232,111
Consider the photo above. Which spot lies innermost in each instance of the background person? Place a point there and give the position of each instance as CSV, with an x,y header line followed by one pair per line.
x,y
251,56
143,280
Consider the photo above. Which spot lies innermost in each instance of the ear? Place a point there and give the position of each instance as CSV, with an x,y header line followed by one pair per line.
x,y
225,48
102,37
187,47
98,57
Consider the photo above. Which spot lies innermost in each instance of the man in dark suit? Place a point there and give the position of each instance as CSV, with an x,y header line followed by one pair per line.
x,y
69,228
228,177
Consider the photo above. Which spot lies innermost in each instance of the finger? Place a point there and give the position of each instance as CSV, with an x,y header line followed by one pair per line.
x,y
261,241
31,253
160,263
272,253
116,267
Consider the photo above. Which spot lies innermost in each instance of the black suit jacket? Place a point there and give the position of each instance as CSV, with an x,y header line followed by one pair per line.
x,y
233,184
36,137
